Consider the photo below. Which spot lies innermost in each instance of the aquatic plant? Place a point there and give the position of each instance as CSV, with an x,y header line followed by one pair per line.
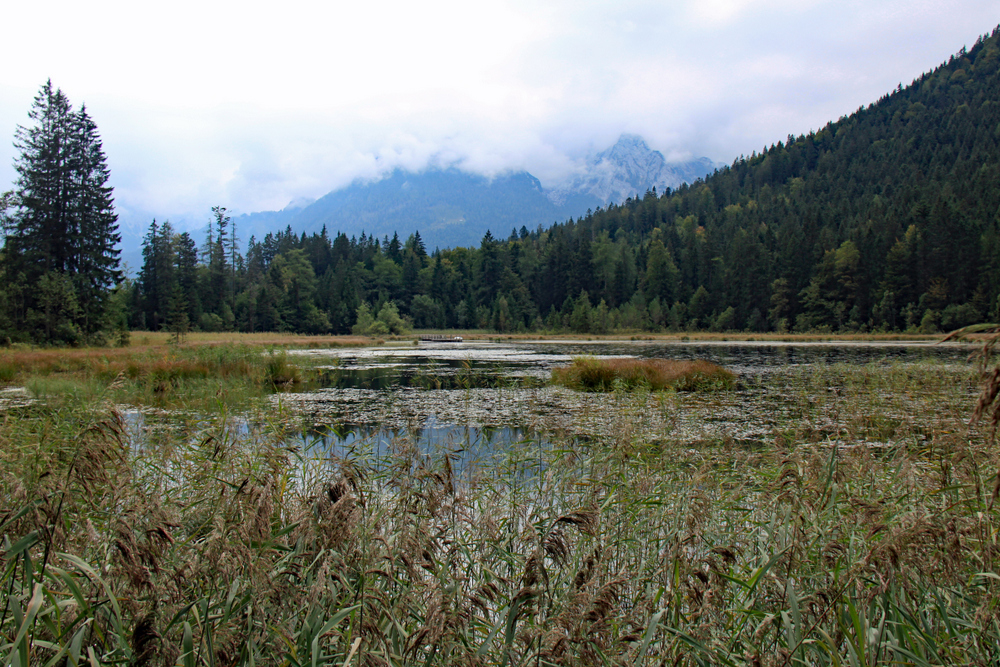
x,y
988,404
593,374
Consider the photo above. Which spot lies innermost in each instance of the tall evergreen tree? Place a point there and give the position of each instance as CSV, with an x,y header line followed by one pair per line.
x,y
94,264
64,228
217,299
158,279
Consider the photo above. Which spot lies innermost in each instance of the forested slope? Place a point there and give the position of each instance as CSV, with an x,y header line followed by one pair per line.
x,y
884,219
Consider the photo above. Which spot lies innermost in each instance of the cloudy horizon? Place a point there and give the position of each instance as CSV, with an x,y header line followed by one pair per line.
x,y
239,105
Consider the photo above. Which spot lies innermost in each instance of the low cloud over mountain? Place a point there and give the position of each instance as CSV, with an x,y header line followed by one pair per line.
x,y
450,207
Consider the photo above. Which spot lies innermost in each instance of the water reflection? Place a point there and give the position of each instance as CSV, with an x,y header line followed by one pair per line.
x,y
456,393
472,406
422,373
467,448
518,363
768,357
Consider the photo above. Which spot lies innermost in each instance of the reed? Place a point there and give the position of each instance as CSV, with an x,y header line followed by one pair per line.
x,y
592,374
163,376
209,544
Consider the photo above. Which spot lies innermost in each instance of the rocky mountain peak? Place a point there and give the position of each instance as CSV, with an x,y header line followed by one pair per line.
x,y
629,169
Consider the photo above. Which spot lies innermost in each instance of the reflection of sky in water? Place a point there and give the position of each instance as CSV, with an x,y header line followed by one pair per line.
x,y
767,357
15,397
467,447
777,392
472,352
484,364
770,396
755,356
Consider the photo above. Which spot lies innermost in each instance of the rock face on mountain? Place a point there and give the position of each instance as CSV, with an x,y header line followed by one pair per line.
x,y
627,169
452,208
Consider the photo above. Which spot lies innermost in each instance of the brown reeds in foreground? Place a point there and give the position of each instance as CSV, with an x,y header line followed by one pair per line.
x,y
593,374
989,400
210,545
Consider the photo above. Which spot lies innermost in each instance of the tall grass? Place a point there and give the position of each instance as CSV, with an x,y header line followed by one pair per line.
x,y
207,545
165,376
593,374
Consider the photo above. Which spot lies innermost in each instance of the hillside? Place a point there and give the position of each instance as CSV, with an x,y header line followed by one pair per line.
x,y
886,219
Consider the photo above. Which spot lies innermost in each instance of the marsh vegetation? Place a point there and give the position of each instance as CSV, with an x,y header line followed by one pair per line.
x,y
590,374
855,525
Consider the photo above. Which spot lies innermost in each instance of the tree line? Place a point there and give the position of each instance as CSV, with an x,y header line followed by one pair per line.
x,y
885,220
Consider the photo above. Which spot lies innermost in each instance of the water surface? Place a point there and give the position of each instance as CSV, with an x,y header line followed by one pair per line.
x,y
455,393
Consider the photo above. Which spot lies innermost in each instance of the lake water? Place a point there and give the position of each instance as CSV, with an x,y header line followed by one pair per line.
x,y
475,397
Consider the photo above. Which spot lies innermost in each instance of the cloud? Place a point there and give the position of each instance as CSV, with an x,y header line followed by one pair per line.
x,y
250,105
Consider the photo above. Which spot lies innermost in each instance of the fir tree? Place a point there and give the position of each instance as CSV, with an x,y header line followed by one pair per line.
x,y
219,280
64,228
94,264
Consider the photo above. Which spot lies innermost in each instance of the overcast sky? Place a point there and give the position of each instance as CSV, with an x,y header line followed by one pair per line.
x,y
253,104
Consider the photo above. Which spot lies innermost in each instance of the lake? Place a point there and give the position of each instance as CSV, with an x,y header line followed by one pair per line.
x,y
476,397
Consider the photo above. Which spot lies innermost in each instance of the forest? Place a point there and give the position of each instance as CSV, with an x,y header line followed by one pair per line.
x,y
884,220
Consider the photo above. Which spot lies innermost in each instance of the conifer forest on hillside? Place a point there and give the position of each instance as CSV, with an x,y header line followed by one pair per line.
x,y
885,220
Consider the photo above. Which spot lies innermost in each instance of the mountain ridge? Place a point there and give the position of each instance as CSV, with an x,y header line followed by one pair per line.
x,y
884,220
451,207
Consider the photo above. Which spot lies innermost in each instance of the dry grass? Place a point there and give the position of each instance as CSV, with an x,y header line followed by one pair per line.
x,y
703,336
270,339
154,353
190,375
591,374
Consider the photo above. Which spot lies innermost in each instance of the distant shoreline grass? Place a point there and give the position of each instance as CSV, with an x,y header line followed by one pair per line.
x,y
141,340
194,374
265,339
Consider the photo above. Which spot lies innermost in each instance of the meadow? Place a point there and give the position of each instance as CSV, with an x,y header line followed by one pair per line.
x,y
211,540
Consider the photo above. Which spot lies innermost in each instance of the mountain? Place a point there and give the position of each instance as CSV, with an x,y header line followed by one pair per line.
x,y
884,220
629,168
452,208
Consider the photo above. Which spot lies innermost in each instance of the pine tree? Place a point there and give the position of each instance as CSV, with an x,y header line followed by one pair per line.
x,y
94,264
219,280
158,279
187,274
64,228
